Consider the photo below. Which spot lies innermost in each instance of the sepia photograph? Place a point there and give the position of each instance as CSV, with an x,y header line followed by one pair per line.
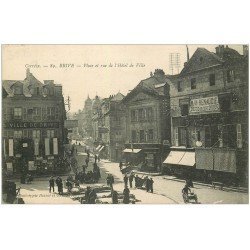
x,y
125,124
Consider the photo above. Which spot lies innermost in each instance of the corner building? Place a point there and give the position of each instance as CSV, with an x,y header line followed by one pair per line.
x,y
209,110
33,125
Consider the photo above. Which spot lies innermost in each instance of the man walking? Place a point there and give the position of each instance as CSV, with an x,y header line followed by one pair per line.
x,y
131,178
126,195
51,184
151,182
125,180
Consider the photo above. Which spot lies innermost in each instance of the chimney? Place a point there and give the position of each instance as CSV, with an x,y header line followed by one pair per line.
x,y
220,50
245,50
187,53
27,73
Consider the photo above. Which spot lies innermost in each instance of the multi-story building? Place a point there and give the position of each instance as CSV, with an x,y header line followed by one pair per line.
x,y
209,110
148,121
112,127
33,124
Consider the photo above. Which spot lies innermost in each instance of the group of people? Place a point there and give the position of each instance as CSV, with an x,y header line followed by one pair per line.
x,y
139,182
89,176
90,196
58,181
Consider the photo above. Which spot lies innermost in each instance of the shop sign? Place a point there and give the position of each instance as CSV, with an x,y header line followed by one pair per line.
x,y
15,125
204,105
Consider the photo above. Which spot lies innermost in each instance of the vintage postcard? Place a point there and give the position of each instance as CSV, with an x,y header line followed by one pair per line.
x,y
125,124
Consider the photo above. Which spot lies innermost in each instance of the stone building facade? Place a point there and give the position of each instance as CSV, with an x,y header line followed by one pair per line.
x,y
33,124
112,127
148,121
209,110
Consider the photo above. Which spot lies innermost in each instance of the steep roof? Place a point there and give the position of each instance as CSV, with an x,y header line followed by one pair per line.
x,y
118,97
26,83
201,59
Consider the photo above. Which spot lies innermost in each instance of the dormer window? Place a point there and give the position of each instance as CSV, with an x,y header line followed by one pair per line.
x,y
18,90
193,83
45,91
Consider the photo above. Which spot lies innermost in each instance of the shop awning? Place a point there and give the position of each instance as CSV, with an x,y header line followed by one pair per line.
x,y
182,158
188,159
129,150
174,157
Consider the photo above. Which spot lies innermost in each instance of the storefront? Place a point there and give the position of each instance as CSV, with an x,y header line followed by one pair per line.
x,y
180,163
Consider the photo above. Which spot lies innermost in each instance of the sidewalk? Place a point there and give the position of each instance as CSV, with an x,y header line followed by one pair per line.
x,y
234,189
38,193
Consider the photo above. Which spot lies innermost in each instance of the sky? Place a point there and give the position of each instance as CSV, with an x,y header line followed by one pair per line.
x,y
126,66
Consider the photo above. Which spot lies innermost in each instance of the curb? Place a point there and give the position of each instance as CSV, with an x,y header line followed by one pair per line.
x,y
241,190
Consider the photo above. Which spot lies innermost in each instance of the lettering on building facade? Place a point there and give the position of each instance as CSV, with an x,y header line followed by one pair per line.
x,y
204,105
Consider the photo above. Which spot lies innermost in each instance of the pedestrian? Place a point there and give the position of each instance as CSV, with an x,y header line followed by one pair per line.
x,y
51,184
131,178
95,158
147,183
151,182
87,192
58,180
87,161
111,181
185,192
99,158
60,187
120,166
114,195
125,180
136,181
108,180
92,197
126,195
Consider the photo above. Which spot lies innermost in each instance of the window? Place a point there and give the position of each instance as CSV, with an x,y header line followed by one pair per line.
x,y
50,133
140,112
239,136
230,76
212,79
179,87
225,102
182,136
142,136
18,90
201,59
229,136
150,134
176,136
207,137
133,115
184,109
133,136
51,113
18,134
36,133
36,114
26,133
17,113
193,83
150,114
